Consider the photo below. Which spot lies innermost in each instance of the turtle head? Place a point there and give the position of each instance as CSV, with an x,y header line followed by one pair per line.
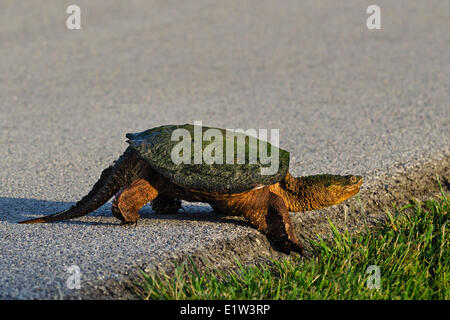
x,y
319,191
339,188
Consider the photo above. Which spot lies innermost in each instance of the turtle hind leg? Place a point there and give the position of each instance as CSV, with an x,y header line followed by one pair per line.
x,y
131,198
164,204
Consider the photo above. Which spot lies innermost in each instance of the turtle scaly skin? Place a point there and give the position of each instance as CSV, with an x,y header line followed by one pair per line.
x,y
143,174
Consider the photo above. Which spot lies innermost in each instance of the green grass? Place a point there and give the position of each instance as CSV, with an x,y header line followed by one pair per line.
x,y
411,250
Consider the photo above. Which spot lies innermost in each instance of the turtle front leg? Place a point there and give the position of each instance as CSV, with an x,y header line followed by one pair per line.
x,y
278,225
130,199
269,214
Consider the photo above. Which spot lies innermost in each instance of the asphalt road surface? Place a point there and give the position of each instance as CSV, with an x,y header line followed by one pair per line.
x,y
345,98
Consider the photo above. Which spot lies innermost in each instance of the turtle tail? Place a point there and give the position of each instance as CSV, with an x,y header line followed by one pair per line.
x,y
125,170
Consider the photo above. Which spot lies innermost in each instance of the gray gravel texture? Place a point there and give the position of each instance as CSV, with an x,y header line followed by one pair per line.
x,y
346,100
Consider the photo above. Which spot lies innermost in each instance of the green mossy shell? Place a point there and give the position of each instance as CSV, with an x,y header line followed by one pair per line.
x,y
156,146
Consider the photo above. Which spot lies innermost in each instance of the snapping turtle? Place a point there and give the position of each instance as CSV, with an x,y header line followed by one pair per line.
x,y
150,170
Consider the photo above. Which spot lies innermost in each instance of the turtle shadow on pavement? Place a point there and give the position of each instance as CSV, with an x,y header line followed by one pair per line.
x,y
13,210
194,212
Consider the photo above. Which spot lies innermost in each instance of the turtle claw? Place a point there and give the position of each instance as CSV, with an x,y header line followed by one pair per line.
x,y
288,246
296,247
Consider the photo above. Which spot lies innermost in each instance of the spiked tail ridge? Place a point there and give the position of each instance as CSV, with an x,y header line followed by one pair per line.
x,y
122,172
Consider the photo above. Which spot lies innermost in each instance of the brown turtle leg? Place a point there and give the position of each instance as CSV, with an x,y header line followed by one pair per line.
x,y
279,225
130,199
164,204
269,214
